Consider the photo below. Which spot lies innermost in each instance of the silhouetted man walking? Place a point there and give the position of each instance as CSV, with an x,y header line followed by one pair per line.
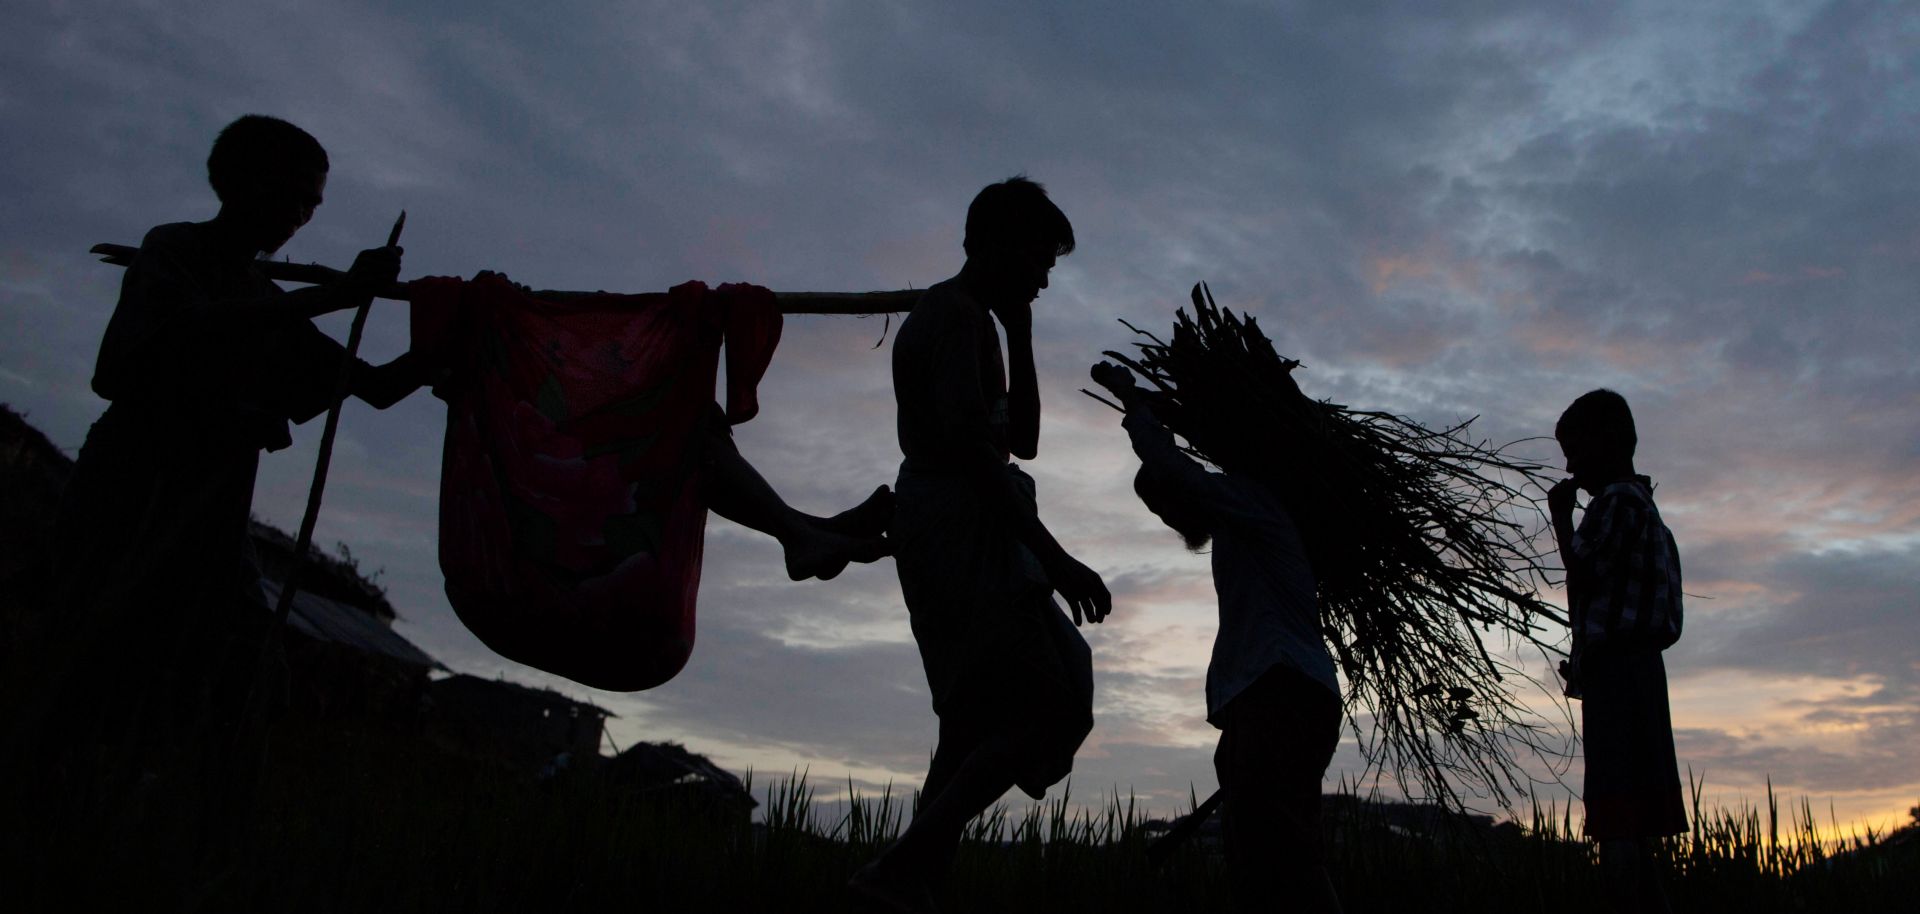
x,y
1012,680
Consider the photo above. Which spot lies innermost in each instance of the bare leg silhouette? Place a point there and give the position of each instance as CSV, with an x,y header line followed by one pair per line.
x,y
1632,878
815,547
962,781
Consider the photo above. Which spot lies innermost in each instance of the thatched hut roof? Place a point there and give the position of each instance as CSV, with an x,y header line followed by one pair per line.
x,y
336,603
324,619
520,726
663,766
32,473
336,577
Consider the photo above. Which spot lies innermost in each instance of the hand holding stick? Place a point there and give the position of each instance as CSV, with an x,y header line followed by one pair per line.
x,y
343,382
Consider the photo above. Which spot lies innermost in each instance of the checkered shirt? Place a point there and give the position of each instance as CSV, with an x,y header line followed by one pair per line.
x,y
1629,593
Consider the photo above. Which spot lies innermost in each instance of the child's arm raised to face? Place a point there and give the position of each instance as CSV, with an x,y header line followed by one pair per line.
x,y
1560,502
1613,567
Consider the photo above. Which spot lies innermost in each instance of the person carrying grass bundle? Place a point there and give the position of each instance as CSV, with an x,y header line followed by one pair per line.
x,y
1624,604
1012,679
1417,543
1271,689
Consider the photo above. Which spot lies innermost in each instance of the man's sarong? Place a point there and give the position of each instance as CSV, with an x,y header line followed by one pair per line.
x,y
571,509
1000,654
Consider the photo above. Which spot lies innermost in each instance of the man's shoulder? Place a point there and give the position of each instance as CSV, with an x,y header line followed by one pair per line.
x,y
946,299
172,235
174,241
942,309
1261,498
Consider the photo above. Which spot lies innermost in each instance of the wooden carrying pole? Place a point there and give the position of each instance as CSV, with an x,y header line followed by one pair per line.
x,y
790,302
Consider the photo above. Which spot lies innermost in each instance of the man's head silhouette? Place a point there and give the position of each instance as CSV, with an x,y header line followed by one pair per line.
x,y
1014,236
270,176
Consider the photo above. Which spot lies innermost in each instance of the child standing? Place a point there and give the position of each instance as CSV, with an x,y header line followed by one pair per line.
x,y
1623,595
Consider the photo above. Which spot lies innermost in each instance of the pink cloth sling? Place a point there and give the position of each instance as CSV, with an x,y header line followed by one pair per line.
x,y
571,514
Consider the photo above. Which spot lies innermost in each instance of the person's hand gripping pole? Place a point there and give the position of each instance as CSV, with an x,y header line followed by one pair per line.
x,y
342,385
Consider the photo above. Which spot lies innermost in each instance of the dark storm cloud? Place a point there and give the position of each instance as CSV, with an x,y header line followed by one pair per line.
x,y
1770,231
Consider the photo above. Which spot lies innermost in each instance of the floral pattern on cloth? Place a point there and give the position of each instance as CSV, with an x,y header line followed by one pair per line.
x,y
571,514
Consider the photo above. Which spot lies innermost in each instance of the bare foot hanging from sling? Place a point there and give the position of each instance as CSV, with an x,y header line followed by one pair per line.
x,y
584,450
815,547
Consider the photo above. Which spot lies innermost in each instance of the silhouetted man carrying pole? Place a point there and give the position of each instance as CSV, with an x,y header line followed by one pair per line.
x,y
1271,688
1012,680
156,598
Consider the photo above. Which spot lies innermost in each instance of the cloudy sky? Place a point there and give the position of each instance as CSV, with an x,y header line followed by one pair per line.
x,y
1713,208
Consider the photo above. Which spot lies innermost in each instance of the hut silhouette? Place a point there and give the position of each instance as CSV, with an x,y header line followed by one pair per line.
x,y
345,660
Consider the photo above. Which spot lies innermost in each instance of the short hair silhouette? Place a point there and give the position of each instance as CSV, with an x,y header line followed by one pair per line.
x,y
1016,210
256,148
1603,417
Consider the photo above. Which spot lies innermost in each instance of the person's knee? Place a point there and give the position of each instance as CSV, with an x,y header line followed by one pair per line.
x,y
717,450
958,736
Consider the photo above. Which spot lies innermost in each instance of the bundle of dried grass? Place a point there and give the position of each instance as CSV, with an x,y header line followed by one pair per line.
x,y
1421,542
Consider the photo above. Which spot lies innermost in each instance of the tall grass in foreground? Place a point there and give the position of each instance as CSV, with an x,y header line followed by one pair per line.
x,y
1050,856
376,820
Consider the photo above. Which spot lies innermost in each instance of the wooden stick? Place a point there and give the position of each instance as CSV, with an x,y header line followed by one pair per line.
x,y
342,388
250,736
899,302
